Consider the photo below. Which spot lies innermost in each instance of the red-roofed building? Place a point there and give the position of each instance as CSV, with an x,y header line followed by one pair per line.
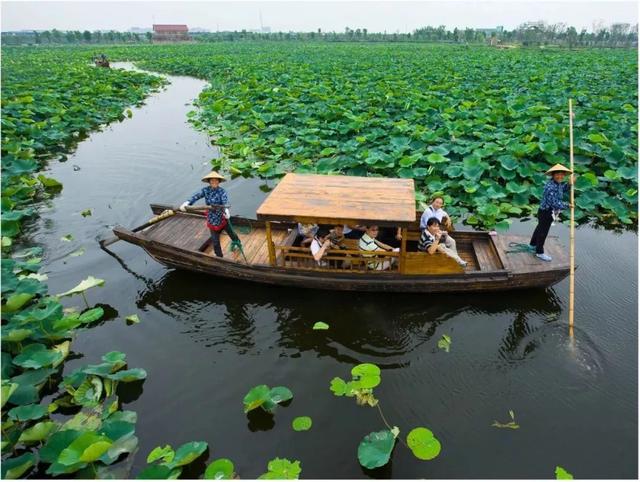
x,y
170,33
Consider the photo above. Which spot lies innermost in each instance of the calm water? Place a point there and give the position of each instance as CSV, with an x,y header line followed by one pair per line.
x,y
205,342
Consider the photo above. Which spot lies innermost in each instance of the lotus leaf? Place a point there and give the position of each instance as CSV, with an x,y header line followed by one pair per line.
x,y
165,454
282,469
375,449
23,413
16,467
367,375
423,444
88,447
219,469
187,453
320,325
562,474
36,355
37,432
300,424
83,286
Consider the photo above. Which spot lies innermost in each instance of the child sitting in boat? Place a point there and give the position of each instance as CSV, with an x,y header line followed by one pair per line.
x,y
433,239
550,208
307,231
434,210
217,218
319,246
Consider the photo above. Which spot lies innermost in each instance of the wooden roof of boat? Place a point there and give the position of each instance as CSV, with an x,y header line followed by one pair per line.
x,y
315,198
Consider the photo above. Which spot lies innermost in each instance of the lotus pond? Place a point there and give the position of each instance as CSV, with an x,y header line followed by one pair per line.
x,y
222,377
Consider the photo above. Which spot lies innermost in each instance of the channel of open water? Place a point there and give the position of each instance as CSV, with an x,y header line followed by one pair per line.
x,y
205,341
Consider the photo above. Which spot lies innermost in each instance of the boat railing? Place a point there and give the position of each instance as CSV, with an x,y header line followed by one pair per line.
x,y
341,260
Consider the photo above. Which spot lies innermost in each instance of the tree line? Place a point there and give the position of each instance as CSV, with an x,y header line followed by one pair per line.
x,y
73,37
527,34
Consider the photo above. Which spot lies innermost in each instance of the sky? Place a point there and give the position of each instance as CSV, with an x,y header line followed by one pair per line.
x,y
375,16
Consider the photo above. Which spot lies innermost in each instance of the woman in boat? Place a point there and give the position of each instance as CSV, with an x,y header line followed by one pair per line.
x,y
550,207
434,210
217,218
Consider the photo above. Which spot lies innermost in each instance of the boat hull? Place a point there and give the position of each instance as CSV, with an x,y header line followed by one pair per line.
x,y
480,281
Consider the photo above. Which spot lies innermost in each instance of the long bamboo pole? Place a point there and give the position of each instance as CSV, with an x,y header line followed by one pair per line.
x,y
572,248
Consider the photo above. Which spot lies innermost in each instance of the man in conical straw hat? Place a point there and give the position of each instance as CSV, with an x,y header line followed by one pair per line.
x,y
217,218
550,205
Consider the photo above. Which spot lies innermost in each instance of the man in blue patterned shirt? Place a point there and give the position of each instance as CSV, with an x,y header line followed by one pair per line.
x,y
214,195
551,204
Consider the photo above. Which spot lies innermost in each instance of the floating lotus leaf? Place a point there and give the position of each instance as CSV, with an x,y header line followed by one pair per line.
x,y
300,424
423,444
165,454
7,390
282,469
367,375
375,449
38,432
91,315
38,355
88,447
159,472
27,412
562,474
319,325
219,469
187,453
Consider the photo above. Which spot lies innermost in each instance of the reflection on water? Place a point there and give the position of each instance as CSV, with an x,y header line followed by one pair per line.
x,y
386,334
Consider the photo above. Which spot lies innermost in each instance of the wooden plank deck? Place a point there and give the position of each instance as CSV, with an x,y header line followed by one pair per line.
x,y
526,262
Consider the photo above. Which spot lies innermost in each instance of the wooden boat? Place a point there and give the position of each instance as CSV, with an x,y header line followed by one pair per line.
x,y
273,255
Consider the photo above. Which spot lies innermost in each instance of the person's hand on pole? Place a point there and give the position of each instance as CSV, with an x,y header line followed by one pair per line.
x,y
183,206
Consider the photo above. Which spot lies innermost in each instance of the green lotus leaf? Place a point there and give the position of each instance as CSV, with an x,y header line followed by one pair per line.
x,y
27,412
423,444
367,375
255,397
7,390
16,467
88,447
36,355
444,343
375,449
131,375
280,394
159,472
320,325
562,474
38,432
16,301
83,286
282,469
300,424
91,315
219,469
187,453
165,453
15,334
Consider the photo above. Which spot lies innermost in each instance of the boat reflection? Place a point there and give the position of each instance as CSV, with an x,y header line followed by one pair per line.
x,y
383,329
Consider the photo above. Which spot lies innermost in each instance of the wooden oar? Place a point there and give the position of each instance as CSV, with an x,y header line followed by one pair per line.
x,y
571,226
167,213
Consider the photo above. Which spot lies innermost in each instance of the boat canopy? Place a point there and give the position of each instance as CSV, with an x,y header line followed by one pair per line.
x,y
326,199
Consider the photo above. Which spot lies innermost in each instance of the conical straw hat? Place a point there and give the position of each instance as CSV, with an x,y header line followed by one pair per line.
x,y
213,175
558,168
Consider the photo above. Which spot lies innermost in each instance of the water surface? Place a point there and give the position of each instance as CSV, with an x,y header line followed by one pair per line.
x,y
205,342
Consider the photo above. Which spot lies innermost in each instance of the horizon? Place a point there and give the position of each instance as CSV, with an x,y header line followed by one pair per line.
x,y
376,17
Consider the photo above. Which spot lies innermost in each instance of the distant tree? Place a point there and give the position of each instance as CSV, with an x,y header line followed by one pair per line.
x,y
56,36
149,36
36,37
86,36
